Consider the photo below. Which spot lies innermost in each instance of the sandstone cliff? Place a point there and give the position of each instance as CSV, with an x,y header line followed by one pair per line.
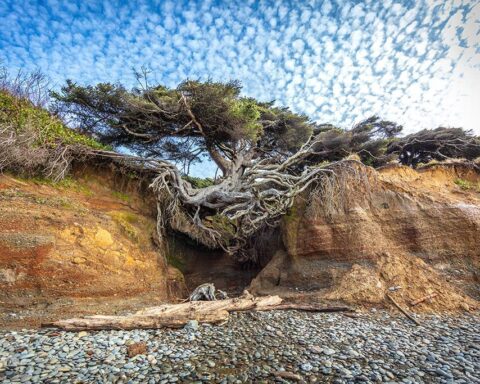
x,y
395,227
85,245
80,246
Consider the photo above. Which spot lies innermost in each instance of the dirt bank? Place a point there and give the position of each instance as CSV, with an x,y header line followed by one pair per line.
x,y
85,246
395,227
81,246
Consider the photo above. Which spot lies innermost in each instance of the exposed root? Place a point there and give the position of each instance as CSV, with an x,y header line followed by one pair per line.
x,y
207,292
253,197
329,193
250,199
21,152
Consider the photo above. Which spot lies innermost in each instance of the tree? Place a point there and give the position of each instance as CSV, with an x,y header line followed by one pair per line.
x,y
368,139
184,123
435,144
257,147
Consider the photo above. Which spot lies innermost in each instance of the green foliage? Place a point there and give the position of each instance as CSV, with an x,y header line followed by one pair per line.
x,y
247,110
466,185
195,119
21,115
198,182
185,123
121,196
127,221
368,139
283,129
435,144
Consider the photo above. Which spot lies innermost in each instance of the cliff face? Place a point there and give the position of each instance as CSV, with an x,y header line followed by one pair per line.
x,y
419,230
85,245
80,246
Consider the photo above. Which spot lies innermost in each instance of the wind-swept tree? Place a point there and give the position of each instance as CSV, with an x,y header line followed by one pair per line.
x,y
184,123
368,139
251,143
267,155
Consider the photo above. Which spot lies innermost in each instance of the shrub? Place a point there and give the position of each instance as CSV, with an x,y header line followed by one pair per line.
x,y
466,185
35,143
21,116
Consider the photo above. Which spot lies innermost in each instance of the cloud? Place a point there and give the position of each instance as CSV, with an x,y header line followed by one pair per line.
x,y
415,63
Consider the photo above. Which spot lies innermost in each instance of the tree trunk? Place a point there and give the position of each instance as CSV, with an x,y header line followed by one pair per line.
x,y
221,162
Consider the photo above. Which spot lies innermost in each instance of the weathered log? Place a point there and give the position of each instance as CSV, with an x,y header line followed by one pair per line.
x,y
242,303
410,317
422,299
177,315
135,321
170,315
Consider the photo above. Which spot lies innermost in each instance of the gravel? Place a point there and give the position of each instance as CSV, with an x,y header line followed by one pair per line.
x,y
261,347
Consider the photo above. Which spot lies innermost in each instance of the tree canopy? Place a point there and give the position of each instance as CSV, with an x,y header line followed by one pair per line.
x,y
368,139
184,123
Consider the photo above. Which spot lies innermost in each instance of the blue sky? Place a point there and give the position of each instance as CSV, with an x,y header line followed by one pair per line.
x,y
415,62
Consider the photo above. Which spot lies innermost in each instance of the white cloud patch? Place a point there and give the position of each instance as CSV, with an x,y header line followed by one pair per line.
x,y
418,64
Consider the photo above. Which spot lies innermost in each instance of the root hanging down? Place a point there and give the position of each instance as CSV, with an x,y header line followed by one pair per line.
x,y
23,152
207,292
250,199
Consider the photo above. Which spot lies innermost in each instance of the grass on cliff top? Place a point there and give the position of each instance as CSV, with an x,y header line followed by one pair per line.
x,y
21,115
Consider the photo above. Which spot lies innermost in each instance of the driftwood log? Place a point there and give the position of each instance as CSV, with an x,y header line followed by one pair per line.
x,y
171,315
177,315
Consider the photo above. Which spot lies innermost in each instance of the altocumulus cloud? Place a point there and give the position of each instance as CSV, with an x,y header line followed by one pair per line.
x,y
415,62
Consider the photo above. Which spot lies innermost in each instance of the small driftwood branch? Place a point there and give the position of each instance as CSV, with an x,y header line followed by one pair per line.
x,y
307,308
422,299
207,292
410,317
352,315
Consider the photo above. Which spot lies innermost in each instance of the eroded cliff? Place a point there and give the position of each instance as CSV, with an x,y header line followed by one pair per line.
x,y
87,245
395,227
80,246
